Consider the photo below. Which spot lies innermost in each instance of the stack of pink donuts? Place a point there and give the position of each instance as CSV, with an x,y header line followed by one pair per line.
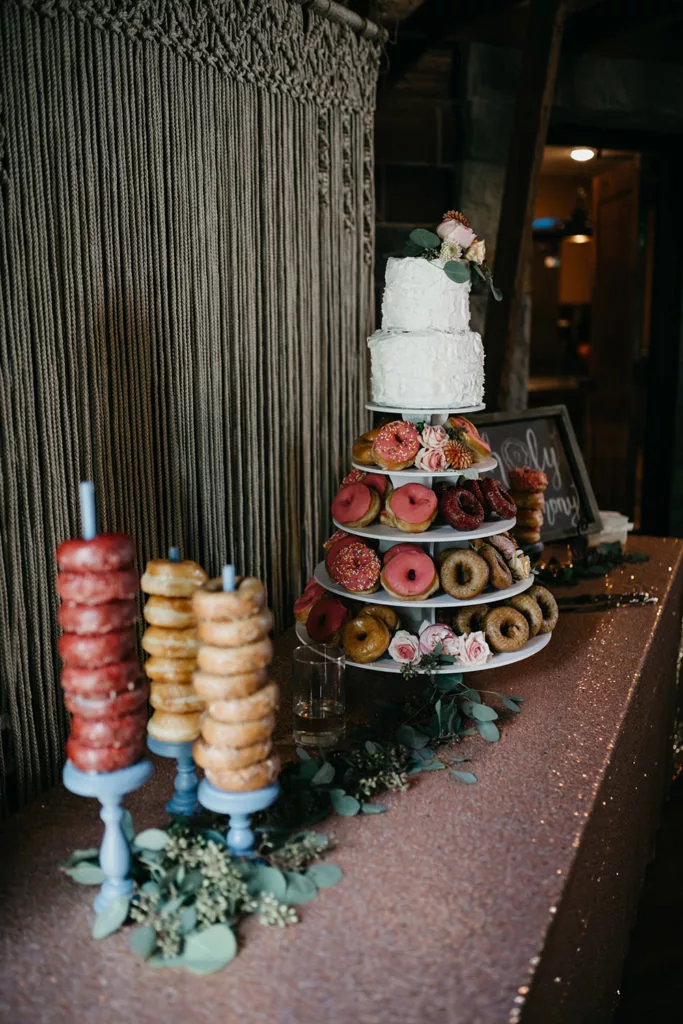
x,y
101,676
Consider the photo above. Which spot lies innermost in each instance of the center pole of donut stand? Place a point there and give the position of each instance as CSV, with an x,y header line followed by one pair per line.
x,y
239,807
110,788
183,803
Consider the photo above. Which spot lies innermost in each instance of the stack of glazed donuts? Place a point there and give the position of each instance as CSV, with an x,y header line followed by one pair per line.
x,y
171,641
528,488
101,677
509,626
235,747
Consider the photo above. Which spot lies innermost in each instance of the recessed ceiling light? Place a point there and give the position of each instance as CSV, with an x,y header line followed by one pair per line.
x,y
582,153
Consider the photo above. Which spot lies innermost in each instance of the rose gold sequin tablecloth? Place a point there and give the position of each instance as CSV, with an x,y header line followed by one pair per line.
x,y
503,901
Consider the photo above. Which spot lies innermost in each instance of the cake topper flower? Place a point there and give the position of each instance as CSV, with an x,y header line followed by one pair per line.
x,y
457,248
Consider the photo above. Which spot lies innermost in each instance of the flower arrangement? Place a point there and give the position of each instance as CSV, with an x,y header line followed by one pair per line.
x,y
437,644
444,448
457,246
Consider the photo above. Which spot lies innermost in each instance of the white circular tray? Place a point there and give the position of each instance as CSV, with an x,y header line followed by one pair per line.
x,y
434,535
387,664
483,466
439,601
448,411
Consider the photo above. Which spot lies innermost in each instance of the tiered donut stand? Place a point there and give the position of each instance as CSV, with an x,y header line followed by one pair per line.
x,y
413,613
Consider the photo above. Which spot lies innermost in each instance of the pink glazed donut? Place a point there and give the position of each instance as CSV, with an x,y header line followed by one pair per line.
x,y
411,508
397,549
410,576
395,445
355,506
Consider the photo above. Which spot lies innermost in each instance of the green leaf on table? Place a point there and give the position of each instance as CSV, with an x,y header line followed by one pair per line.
x,y
86,874
488,731
151,888
127,826
373,809
144,941
154,839
344,804
92,853
466,777
472,695
208,951
157,960
300,889
323,775
496,292
171,906
302,754
111,918
518,700
188,920
324,875
192,881
511,705
266,879
410,737
457,271
481,712
372,748
448,683
425,239
432,766
308,769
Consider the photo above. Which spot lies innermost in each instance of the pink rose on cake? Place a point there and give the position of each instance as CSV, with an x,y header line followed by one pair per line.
x,y
404,647
455,230
475,650
438,633
433,437
431,460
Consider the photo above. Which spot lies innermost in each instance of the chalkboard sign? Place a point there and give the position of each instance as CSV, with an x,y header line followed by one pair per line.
x,y
545,439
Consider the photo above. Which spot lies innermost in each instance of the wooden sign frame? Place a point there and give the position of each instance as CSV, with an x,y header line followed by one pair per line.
x,y
590,521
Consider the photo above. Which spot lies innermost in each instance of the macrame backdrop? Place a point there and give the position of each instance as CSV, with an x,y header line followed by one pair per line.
x,y
186,238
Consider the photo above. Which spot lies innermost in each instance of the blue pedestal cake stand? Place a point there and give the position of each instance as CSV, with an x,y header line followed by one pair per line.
x,y
183,803
239,807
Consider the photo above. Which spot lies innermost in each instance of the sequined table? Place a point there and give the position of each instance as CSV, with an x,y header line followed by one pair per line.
x,y
507,900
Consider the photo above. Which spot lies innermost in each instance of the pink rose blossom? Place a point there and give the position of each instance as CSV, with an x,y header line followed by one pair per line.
x,y
455,233
431,460
438,633
475,650
433,437
404,647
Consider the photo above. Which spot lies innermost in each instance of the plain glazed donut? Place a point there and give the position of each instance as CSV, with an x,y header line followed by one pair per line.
x,y
86,651
531,611
410,576
384,612
411,508
95,760
113,705
240,734
228,687
355,506
500,576
527,535
170,643
527,479
170,670
238,632
355,567
548,605
217,759
464,574
530,518
326,620
179,698
233,661
97,587
101,682
362,451
395,445
243,780
461,509
365,638
506,629
470,620
106,552
168,727
247,709
212,602
109,732
172,579
529,499
169,612
97,618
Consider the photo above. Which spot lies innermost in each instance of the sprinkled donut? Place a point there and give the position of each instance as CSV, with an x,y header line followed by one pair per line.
x,y
396,445
356,567
335,548
531,611
527,479
411,508
326,620
464,574
356,505
365,638
506,629
499,501
410,576
470,620
460,509
548,606
500,576
376,480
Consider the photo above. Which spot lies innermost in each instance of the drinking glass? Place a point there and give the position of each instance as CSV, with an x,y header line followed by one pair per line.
x,y
318,698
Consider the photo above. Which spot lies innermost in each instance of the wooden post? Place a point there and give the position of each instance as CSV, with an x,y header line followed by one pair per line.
x,y
532,113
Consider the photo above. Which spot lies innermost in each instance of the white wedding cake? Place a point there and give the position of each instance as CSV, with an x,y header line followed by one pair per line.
x,y
425,356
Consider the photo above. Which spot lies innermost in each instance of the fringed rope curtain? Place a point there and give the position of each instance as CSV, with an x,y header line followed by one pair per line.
x,y
186,221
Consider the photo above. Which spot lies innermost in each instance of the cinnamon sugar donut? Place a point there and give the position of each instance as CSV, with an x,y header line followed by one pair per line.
x,y
243,780
531,611
246,709
236,734
218,759
529,499
212,688
168,727
530,518
500,576
238,632
548,605
464,573
506,629
170,670
212,602
179,698
170,643
169,612
232,661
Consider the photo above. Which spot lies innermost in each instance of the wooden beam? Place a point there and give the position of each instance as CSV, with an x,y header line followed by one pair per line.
x,y
535,91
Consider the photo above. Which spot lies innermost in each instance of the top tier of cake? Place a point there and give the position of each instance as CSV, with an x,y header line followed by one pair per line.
x,y
418,295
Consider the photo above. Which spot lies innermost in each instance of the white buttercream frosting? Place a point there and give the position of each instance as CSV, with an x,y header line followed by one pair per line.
x,y
418,294
423,369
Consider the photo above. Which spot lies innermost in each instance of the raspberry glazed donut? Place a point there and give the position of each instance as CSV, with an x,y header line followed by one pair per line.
x,y
356,568
356,476
326,620
168,727
411,508
365,639
106,552
169,612
410,576
530,518
355,506
217,759
109,732
236,633
210,601
236,734
88,651
103,759
474,487
470,620
97,587
527,479
210,687
384,612
460,509
170,670
396,445
500,576
464,574
172,579
376,480
499,502
531,611
529,499
548,605
100,682
97,618
243,780
113,705
311,595
233,661
506,629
